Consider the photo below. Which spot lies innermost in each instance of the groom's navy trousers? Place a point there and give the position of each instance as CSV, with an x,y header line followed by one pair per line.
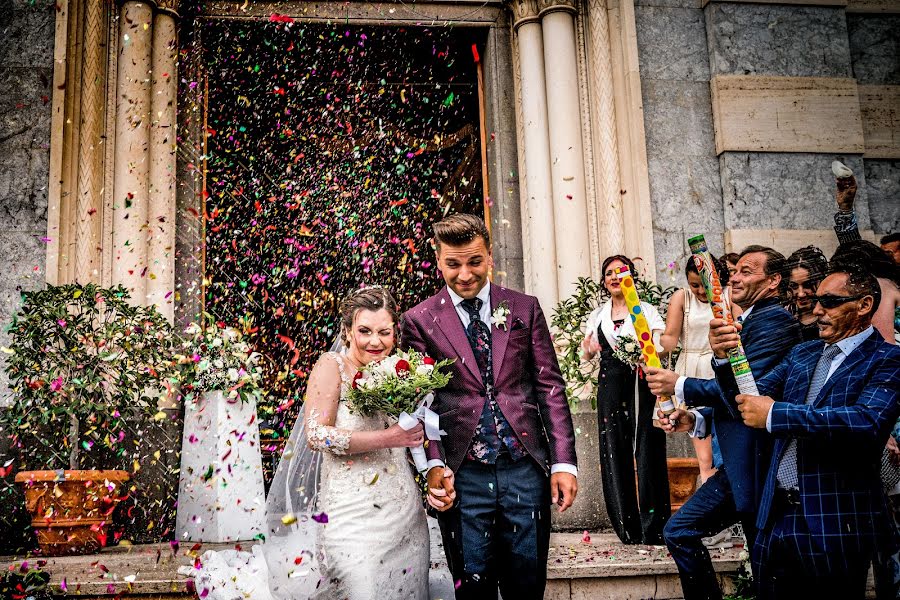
x,y
498,532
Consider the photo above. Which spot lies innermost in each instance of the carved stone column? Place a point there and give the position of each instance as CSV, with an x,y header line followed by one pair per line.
x,y
566,148
537,200
610,221
163,129
131,186
91,149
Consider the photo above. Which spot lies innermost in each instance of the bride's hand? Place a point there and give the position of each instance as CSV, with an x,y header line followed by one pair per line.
x,y
397,437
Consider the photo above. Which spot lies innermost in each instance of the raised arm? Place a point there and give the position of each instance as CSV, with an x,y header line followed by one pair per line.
x,y
323,395
845,225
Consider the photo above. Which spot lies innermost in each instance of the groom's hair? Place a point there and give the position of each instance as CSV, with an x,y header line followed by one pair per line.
x,y
459,230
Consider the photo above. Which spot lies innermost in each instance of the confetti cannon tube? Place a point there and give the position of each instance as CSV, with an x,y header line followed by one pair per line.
x,y
665,404
722,310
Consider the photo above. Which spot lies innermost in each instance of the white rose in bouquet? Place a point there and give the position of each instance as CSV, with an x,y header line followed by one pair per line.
x,y
424,369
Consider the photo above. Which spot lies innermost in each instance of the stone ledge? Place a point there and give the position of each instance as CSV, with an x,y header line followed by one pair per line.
x,y
575,568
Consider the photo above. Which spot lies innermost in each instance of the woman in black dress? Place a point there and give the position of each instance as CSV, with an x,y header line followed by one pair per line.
x,y
627,435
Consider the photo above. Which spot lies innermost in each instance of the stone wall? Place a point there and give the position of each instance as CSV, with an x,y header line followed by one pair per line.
x,y
875,60
681,46
26,75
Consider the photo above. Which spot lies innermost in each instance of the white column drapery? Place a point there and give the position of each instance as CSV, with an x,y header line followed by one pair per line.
x,y
132,165
566,147
537,202
163,147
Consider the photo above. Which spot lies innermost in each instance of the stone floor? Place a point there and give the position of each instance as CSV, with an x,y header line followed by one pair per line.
x,y
580,566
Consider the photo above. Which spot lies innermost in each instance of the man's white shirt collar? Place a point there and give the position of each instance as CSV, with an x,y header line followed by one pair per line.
x,y
484,295
849,344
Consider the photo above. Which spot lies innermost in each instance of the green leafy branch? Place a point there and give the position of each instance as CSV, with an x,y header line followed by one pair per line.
x,y
84,364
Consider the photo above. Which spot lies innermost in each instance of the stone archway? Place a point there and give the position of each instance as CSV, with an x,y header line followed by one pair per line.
x,y
566,160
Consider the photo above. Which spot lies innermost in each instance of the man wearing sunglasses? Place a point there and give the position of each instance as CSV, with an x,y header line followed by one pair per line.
x,y
830,406
733,493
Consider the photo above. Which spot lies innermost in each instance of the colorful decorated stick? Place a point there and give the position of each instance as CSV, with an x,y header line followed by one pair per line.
x,y
665,404
721,309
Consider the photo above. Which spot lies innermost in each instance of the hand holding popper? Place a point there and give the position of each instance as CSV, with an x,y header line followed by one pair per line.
x,y
665,404
722,310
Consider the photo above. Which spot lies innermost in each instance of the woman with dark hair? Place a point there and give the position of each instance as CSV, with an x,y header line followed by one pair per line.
x,y
866,256
688,322
625,413
807,267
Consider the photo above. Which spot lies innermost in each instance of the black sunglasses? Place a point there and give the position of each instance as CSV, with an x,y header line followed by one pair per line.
x,y
833,301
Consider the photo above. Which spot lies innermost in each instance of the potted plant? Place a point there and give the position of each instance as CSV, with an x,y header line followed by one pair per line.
x,y
221,496
86,368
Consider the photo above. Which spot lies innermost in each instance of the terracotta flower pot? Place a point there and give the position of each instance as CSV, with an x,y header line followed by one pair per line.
x,y
683,473
71,510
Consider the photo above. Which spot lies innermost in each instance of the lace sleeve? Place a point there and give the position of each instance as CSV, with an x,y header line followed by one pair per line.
x,y
325,438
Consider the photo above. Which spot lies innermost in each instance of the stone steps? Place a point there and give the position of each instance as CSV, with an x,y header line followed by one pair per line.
x,y
576,569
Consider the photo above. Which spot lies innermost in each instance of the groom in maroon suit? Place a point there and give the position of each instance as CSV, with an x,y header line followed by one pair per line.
x,y
509,451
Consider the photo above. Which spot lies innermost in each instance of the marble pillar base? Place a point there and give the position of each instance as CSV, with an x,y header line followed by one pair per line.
x,y
220,493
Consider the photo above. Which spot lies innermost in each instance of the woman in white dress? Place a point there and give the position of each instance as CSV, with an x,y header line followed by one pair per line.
x,y
344,514
375,540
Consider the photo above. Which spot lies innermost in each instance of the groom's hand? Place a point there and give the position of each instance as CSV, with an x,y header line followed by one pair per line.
x,y
441,493
563,488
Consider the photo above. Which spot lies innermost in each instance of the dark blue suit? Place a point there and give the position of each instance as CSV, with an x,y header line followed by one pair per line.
x,y
829,539
733,493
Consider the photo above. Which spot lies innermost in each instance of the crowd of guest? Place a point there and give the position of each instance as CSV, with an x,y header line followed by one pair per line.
x,y
807,463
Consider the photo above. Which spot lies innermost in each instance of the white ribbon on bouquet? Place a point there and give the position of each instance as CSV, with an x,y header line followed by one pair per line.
x,y
433,430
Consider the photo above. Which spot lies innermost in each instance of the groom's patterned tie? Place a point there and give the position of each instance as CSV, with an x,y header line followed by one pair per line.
x,y
493,434
787,468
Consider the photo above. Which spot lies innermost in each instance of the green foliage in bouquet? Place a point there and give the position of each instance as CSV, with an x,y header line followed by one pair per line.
x,y
397,383
85,367
567,322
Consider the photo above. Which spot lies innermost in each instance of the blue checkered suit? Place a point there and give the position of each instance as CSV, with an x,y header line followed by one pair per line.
x,y
840,436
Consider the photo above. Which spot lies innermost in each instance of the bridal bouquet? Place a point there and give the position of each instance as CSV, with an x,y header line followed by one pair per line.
x,y
402,386
217,358
628,351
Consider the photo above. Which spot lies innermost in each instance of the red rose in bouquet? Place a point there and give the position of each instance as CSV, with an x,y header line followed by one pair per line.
x,y
402,367
356,378
428,360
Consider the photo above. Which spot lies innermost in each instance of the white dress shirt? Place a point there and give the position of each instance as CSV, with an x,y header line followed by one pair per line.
x,y
485,296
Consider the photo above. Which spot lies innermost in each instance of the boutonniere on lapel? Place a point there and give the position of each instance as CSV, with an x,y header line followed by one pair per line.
x,y
499,316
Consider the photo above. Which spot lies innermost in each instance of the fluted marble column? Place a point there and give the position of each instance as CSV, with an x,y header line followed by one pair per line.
x,y
88,208
131,186
610,220
537,204
163,129
566,147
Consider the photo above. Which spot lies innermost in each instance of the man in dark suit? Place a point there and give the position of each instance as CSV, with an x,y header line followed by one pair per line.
x,y
731,495
830,406
510,443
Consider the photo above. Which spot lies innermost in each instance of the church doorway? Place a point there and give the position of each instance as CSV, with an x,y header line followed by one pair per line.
x,y
330,150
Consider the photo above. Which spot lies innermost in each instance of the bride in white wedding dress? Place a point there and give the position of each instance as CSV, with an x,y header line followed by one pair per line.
x,y
376,539
344,512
